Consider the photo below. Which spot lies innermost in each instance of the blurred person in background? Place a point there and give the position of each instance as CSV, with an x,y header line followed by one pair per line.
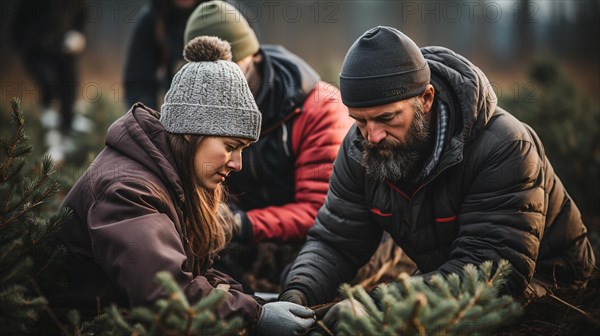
x,y
152,200
48,34
154,48
454,179
303,122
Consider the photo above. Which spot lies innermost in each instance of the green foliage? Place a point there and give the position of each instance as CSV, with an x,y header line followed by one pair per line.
x,y
87,145
566,121
26,254
170,316
101,325
29,259
174,315
455,305
80,147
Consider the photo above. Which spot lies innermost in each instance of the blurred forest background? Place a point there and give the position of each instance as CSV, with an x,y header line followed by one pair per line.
x,y
542,58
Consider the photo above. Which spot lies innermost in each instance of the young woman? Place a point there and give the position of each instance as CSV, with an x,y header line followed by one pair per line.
x,y
149,202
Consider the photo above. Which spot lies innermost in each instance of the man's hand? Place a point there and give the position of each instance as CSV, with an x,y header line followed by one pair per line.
x,y
284,318
294,296
332,316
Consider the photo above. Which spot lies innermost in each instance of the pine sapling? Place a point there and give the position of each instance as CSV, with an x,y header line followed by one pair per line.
x,y
174,315
27,258
452,305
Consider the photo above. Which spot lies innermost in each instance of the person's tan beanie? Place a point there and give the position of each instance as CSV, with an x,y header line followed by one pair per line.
x,y
220,19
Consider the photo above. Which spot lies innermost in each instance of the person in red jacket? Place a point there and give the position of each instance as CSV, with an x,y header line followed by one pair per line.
x,y
303,124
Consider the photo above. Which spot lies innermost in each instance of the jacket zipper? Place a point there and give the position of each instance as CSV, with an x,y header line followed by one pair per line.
x,y
252,165
284,139
410,205
254,173
283,120
184,237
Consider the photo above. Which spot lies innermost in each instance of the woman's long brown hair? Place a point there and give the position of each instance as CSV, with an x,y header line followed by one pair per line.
x,y
206,231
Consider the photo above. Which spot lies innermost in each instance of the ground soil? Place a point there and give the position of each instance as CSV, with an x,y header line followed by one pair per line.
x,y
547,316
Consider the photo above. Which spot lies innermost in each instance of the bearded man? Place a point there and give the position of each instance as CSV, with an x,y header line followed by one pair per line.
x,y
451,176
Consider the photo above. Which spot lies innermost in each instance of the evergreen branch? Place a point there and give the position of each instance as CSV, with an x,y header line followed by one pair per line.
x,y
30,195
440,314
25,236
188,325
404,279
18,271
118,319
325,329
485,270
441,305
10,183
579,310
46,308
458,316
383,293
501,274
454,283
48,264
158,327
361,297
75,321
50,228
10,146
15,244
344,328
420,302
13,176
438,283
32,205
470,279
166,280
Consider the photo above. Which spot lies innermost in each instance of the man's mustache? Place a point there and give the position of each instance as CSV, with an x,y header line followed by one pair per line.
x,y
383,145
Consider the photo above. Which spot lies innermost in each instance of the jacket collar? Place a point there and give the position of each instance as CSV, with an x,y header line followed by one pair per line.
x,y
140,136
286,82
467,93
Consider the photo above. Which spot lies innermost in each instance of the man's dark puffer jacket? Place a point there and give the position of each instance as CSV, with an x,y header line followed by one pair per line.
x,y
492,196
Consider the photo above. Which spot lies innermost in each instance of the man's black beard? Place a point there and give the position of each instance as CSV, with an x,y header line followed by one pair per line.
x,y
396,161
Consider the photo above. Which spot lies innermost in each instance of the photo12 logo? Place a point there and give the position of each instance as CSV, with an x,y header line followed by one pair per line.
x,y
468,11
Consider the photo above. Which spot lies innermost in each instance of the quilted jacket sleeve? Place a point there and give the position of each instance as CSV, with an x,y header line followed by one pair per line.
x,y
132,240
503,213
342,238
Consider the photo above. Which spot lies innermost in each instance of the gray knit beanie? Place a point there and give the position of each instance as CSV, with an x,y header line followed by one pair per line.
x,y
210,95
382,66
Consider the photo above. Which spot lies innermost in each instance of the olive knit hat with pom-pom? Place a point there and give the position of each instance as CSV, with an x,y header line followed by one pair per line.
x,y
210,95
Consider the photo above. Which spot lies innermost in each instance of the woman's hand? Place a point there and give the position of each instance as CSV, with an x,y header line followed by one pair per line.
x,y
285,318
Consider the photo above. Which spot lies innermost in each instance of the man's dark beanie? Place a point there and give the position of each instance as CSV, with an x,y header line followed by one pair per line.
x,y
382,66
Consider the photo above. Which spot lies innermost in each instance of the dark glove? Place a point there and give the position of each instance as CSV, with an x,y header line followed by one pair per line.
x,y
284,318
294,296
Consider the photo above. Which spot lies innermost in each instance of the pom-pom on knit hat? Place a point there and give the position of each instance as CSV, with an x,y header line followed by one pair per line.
x,y
210,95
